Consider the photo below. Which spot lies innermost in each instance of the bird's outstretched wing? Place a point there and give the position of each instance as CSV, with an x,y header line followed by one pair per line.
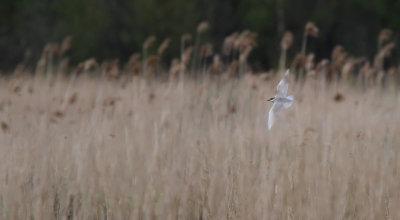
x,y
289,101
283,85
273,114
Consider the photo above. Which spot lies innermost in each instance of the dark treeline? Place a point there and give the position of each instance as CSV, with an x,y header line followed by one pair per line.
x,y
107,29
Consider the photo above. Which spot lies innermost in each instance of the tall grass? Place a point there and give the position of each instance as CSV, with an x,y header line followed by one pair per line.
x,y
128,141
86,148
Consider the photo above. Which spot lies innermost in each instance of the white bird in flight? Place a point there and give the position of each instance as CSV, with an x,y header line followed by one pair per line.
x,y
280,100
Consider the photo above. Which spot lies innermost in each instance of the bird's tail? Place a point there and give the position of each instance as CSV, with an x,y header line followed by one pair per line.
x,y
288,104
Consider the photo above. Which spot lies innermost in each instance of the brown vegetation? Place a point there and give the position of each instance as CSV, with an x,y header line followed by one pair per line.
x,y
122,141
200,151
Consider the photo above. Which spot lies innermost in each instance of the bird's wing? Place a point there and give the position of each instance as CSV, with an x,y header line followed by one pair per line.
x,y
283,85
289,101
273,114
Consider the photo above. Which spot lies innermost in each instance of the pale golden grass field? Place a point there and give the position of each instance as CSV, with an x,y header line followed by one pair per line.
x,y
134,149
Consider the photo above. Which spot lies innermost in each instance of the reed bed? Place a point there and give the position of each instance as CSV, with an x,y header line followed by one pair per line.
x,y
144,140
84,147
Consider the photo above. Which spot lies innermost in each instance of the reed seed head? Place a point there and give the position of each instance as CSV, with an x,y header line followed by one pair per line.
x,y
56,51
233,68
186,38
217,65
206,50
149,42
164,45
383,53
152,61
384,36
299,61
202,27
175,68
229,43
66,44
287,40
134,64
310,62
311,29
187,55
89,64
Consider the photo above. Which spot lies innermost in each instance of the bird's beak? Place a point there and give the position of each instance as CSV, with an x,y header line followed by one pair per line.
x,y
271,99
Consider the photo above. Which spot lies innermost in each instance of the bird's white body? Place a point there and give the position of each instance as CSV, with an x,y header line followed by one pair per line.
x,y
280,100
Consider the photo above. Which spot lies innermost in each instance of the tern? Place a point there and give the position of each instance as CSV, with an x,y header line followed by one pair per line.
x,y
280,100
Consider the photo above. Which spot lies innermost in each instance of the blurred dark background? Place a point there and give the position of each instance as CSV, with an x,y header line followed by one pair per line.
x,y
107,29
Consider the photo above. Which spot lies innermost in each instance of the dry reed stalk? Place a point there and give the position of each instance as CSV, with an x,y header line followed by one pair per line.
x,y
309,65
321,72
66,44
347,69
161,49
322,66
186,56
382,54
241,40
49,66
148,43
286,43
393,73
310,73
41,66
217,65
57,55
196,59
310,30
56,50
90,64
134,65
63,66
152,64
86,66
202,27
392,76
110,69
299,61
233,69
53,53
206,51
338,57
245,43
229,44
244,55
380,75
175,68
186,38
366,76
19,70
78,69
163,46
384,36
